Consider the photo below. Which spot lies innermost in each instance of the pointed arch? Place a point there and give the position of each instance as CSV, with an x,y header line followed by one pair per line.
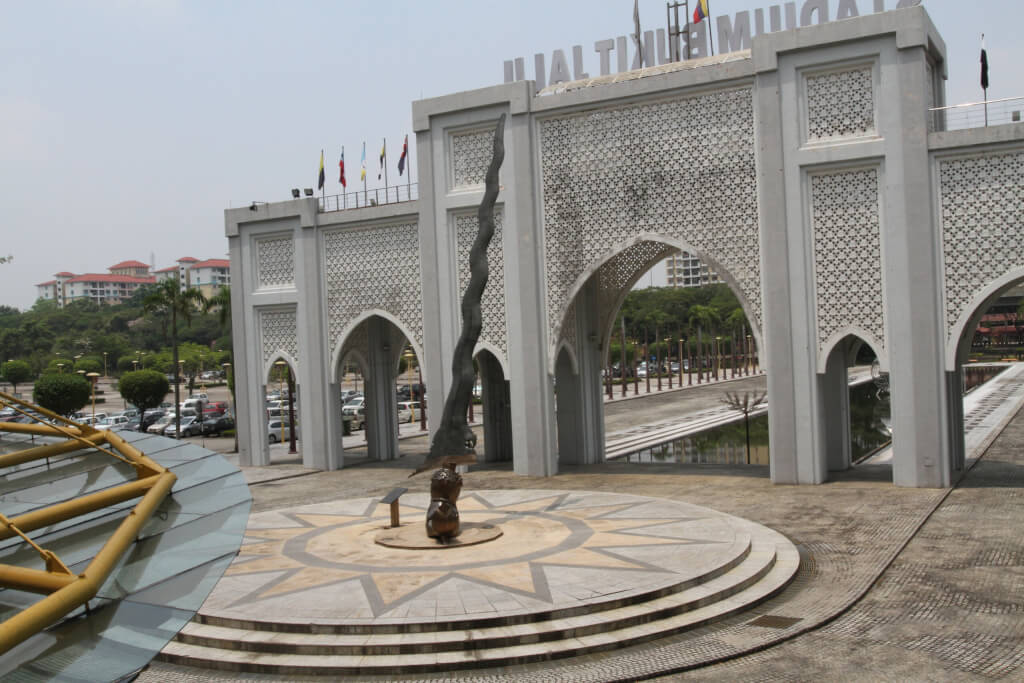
x,y
564,345
360,319
973,312
619,248
494,351
853,331
287,358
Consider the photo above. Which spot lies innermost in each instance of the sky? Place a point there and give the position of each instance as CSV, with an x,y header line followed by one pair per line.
x,y
128,126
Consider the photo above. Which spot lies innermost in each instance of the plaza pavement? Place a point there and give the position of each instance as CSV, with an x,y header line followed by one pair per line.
x,y
895,584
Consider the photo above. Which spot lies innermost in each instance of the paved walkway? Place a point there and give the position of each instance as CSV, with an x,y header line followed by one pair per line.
x,y
895,584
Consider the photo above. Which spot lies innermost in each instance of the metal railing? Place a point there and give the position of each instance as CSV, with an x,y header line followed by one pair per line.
x,y
396,194
977,114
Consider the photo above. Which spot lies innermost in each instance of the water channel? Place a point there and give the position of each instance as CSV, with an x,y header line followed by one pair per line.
x,y
727,444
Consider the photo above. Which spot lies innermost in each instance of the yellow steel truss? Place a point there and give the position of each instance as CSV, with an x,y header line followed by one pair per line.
x,y
65,591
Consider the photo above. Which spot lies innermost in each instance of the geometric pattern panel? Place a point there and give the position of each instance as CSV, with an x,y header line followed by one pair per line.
x,y
682,168
492,303
471,154
982,224
847,252
278,332
376,267
275,262
840,104
618,274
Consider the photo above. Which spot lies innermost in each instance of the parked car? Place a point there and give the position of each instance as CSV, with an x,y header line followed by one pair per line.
x,y
408,411
277,428
189,427
349,395
112,422
409,392
215,426
161,424
151,417
355,410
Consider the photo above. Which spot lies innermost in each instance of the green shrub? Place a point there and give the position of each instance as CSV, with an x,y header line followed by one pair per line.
x,y
63,394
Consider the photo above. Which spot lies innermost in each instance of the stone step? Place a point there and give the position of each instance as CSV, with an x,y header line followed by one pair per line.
x,y
743,548
766,571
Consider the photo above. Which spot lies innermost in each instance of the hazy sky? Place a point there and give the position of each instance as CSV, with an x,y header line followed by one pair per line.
x,y
128,126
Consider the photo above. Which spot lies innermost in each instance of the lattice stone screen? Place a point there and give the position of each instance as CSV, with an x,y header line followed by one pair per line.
x,y
847,252
682,168
982,223
376,267
470,156
279,332
275,262
840,104
492,304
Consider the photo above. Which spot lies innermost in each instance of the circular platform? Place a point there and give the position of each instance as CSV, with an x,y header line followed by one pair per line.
x,y
413,536
311,590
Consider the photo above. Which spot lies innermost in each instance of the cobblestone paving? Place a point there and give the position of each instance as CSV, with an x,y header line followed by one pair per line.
x,y
948,608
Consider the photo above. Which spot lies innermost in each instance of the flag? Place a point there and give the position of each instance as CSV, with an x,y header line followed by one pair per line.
x,y
701,13
984,65
341,169
362,172
638,37
401,159
320,183
383,153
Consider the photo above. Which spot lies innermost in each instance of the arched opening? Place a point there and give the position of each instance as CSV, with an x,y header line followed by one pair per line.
x,y
374,343
594,351
496,406
988,334
856,413
281,409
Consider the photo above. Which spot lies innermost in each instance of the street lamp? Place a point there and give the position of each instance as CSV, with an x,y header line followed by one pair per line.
x,y
60,368
92,379
105,364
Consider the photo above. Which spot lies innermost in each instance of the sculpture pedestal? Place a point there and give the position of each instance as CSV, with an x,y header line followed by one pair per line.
x,y
412,537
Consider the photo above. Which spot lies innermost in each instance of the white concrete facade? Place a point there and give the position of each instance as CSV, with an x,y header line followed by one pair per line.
x,y
827,204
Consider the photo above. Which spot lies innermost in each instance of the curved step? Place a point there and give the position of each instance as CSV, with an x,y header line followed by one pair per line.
x,y
767,569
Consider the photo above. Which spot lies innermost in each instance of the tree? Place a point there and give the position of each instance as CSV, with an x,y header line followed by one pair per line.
x,y
16,372
89,364
144,389
170,300
63,394
744,404
702,317
222,302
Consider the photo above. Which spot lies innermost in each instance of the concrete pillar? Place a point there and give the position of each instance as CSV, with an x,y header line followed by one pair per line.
x,y
955,401
531,390
333,424
496,409
569,413
834,411
922,431
381,405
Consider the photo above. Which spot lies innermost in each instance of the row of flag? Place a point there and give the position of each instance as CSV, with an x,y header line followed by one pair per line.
x,y
381,173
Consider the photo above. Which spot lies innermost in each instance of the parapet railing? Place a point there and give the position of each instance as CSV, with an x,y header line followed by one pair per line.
x,y
977,114
395,194
64,590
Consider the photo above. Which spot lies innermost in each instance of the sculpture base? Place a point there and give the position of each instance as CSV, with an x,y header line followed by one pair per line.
x,y
413,537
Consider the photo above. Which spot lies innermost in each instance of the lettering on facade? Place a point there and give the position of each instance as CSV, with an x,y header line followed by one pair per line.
x,y
733,33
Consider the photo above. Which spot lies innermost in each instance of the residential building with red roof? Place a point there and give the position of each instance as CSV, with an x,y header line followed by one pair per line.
x,y
124,278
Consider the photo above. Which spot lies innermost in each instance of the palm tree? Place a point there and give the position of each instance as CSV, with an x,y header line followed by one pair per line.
x,y
700,317
168,298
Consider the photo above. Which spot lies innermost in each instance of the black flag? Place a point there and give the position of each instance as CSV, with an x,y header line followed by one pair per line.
x,y
984,68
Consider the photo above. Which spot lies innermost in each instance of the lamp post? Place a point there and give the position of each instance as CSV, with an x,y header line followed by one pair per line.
x,y
93,376
718,356
60,368
668,359
408,355
135,365
105,364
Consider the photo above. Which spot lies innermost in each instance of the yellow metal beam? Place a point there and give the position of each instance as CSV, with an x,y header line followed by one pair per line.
x,y
40,452
35,618
69,509
33,580
42,429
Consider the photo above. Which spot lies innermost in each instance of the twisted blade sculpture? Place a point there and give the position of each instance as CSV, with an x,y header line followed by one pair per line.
x,y
454,438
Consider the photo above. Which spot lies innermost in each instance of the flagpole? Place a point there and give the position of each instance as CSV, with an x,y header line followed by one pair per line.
x,y
344,199
711,34
362,172
384,148
323,185
408,169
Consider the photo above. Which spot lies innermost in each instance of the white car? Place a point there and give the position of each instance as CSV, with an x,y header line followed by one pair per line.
x,y
408,411
276,429
113,422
